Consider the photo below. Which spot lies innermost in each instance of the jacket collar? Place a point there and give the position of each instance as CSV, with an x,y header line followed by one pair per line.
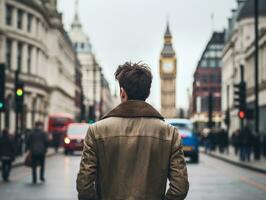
x,y
134,108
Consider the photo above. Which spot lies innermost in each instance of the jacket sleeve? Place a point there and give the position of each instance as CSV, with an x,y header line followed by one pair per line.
x,y
177,175
86,186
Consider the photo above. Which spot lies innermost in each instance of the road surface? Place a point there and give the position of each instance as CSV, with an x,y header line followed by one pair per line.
x,y
210,179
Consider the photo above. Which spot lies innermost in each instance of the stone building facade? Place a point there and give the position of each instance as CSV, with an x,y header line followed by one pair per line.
x,y
33,41
91,70
97,94
239,50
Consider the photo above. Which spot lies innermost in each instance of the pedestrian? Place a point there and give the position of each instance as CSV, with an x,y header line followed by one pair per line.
x,y
226,141
131,152
256,144
7,154
235,141
246,140
207,140
220,141
37,145
223,141
57,137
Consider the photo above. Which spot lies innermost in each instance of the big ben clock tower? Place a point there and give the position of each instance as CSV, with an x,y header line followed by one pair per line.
x,y
168,70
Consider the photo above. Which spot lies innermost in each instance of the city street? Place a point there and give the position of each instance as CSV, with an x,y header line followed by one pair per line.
x,y
211,179
114,71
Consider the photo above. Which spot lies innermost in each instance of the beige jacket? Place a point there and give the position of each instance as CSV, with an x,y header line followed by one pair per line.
x,y
129,155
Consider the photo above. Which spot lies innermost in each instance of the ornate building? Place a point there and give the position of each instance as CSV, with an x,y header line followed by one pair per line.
x,y
240,50
97,95
168,70
33,41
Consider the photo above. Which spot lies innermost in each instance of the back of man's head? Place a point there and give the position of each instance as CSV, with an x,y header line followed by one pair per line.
x,y
135,79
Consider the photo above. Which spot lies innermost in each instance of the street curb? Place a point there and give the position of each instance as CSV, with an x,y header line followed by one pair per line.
x,y
236,163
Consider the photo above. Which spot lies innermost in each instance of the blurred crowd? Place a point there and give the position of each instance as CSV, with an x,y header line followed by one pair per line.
x,y
244,143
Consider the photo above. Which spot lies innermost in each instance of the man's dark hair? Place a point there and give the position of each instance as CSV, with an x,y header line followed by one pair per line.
x,y
136,79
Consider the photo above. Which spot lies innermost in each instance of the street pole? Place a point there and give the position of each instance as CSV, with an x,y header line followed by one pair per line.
x,y
94,90
257,117
101,94
16,113
228,109
210,110
256,67
241,82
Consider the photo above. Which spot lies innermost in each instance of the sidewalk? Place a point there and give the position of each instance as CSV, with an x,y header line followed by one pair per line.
x,y
19,161
258,166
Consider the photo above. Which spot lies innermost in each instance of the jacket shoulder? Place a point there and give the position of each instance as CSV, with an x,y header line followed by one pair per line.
x,y
141,126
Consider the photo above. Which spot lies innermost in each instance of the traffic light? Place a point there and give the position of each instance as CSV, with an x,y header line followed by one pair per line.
x,y
242,114
2,87
240,99
19,97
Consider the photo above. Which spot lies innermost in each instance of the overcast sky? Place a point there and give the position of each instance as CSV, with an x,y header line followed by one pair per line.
x,y
132,30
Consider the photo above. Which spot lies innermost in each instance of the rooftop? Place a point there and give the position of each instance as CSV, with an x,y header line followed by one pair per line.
x,y
168,50
247,10
76,32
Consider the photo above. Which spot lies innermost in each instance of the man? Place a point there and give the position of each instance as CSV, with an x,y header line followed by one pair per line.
x,y
131,152
7,154
37,144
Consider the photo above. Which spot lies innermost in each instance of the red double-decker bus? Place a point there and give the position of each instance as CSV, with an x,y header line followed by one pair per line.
x,y
57,127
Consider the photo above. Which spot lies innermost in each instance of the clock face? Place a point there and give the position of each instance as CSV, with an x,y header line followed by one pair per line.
x,y
168,67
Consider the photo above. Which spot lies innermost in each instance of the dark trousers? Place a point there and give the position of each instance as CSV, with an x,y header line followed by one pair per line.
x,y
245,152
6,168
38,160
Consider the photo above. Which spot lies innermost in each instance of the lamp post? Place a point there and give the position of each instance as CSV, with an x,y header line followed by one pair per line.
x,y
256,66
257,114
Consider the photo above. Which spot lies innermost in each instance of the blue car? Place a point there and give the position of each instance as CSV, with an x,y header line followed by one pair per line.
x,y
189,139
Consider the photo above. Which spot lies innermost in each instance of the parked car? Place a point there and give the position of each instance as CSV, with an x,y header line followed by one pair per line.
x,y
74,138
189,139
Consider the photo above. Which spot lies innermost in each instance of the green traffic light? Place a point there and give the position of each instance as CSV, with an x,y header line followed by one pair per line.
x,y
91,121
19,92
1,105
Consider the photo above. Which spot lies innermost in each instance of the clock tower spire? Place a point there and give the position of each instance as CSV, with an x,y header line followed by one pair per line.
x,y
168,70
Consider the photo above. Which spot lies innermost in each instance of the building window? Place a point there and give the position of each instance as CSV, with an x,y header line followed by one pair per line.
x,y
212,54
203,63
212,63
9,11
204,79
8,53
19,19
213,78
19,56
29,58
29,22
